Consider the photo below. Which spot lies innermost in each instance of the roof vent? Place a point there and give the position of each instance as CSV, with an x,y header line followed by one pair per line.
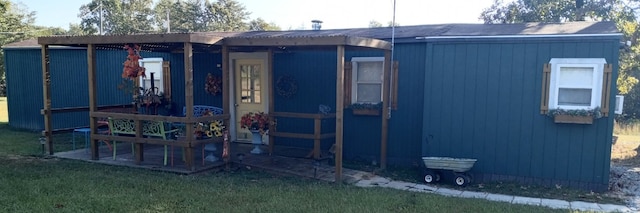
x,y
316,24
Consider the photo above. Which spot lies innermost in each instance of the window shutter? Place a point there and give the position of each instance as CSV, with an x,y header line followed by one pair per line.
x,y
347,84
166,76
606,90
544,96
394,86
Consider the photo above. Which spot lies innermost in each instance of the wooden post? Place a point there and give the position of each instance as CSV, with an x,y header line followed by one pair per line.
x,y
93,104
188,95
226,108
339,111
271,97
46,96
317,132
138,146
385,108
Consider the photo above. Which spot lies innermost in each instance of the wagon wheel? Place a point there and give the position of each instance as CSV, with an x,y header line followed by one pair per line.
x,y
462,180
430,177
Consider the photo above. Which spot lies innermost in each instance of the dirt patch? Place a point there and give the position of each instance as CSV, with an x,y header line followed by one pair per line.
x,y
624,177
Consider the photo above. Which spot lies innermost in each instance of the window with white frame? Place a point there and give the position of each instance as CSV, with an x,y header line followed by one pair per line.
x,y
576,83
152,65
367,79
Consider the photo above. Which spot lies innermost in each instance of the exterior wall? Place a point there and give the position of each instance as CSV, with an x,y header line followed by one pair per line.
x,y
315,73
69,86
482,100
203,63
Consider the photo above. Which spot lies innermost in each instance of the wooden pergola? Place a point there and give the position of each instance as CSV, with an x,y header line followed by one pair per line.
x,y
186,42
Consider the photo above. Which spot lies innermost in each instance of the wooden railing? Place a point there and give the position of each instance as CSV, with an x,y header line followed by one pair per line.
x,y
139,140
317,135
121,107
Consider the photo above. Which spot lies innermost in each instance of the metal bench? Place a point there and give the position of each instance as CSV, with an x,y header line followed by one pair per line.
x,y
199,110
157,129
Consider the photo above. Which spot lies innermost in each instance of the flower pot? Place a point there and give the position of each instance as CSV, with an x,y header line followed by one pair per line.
x,y
256,141
578,119
370,112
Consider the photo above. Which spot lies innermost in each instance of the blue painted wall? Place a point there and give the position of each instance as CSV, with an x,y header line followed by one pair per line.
x,y
482,100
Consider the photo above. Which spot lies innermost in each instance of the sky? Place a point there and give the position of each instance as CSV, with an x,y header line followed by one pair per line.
x,y
297,14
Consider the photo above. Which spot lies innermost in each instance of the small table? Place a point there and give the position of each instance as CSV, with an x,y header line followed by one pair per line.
x,y
86,132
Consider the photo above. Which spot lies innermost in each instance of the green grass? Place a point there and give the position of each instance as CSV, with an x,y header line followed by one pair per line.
x,y
32,183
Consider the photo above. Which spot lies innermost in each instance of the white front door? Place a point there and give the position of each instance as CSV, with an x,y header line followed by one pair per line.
x,y
250,92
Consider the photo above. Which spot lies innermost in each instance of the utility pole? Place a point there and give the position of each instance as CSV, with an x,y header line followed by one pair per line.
x,y
100,8
168,21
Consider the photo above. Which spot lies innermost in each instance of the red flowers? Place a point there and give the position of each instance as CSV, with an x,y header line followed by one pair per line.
x,y
255,121
132,68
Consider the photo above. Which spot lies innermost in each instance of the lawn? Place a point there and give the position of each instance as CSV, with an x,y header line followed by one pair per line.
x,y
33,183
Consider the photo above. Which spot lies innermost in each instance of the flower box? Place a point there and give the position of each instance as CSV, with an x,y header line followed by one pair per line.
x,y
372,112
577,119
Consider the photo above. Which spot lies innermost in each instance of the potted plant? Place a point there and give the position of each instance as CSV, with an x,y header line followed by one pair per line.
x,y
258,123
366,108
576,116
255,122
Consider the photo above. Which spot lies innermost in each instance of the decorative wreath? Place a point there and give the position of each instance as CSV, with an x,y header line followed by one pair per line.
x,y
213,84
286,86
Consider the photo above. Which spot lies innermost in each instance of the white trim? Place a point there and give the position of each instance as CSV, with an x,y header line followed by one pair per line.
x,y
517,36
354,76
160,74
596,86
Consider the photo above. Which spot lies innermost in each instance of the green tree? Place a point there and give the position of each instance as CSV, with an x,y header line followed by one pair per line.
x,y
374,24
75,30
16,24
622,12
117,16
260,24
226,15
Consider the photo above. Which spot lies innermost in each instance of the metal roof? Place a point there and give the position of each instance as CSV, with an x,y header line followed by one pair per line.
x,y
355,36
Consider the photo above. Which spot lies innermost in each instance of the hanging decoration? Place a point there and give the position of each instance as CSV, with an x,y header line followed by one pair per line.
x,y
132,68
213,84
286,86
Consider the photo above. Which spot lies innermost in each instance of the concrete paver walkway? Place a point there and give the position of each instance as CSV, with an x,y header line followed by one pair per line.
x,y
365,179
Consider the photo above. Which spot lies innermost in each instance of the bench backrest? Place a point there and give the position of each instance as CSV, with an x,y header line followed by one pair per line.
x,y
127,127
198,110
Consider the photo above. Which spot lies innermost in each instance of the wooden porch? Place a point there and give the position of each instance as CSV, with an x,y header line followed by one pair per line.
x,y
224,43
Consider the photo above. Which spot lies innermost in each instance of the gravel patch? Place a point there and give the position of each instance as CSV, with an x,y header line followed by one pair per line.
x,y
625,182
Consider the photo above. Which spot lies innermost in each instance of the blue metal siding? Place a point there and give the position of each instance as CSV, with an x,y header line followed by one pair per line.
x,y
361,133
482,100
24,96
69,86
